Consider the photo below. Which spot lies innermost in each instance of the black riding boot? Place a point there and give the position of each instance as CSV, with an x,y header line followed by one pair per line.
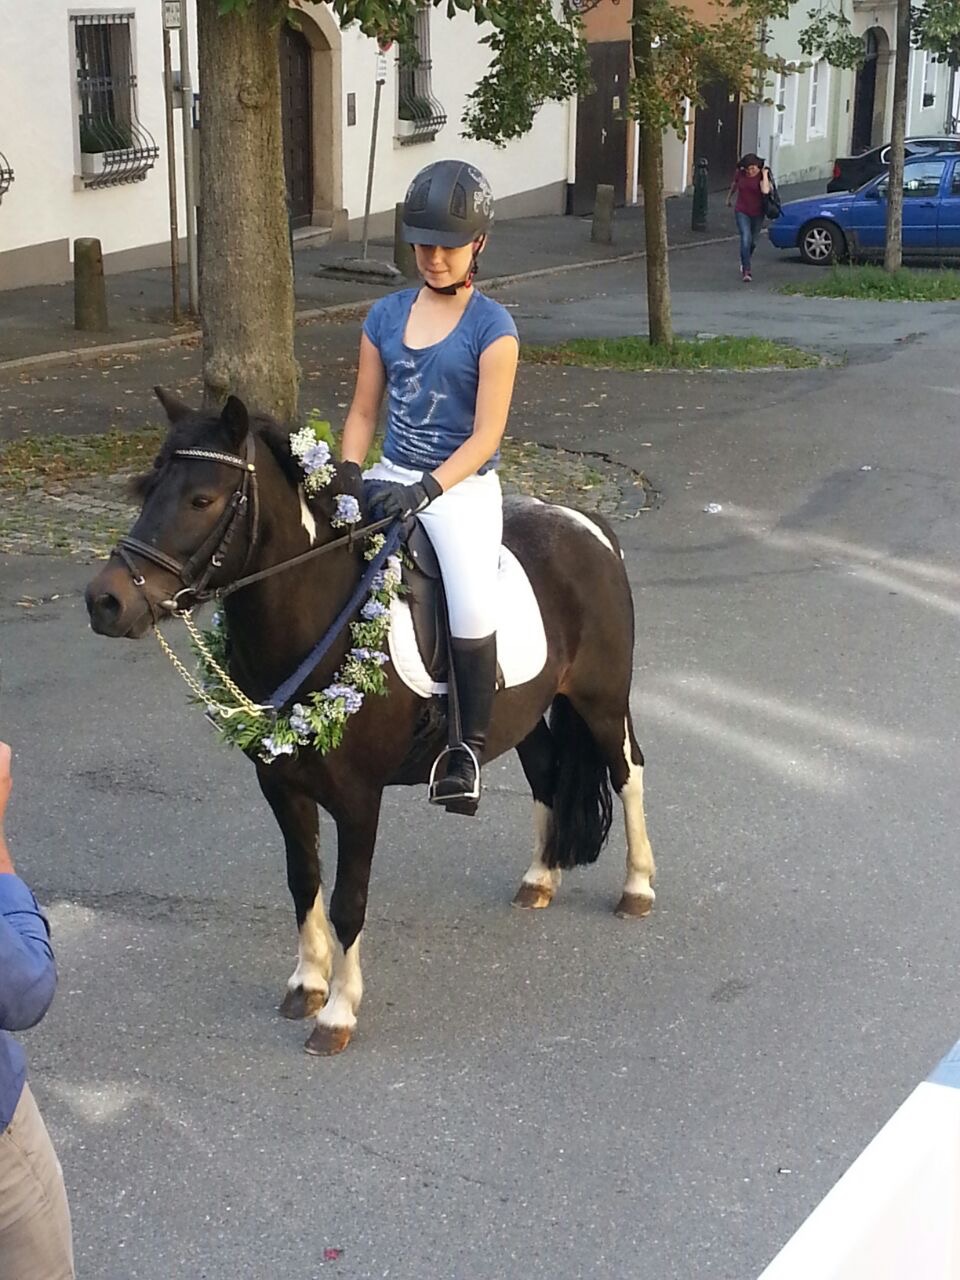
x,y
475,667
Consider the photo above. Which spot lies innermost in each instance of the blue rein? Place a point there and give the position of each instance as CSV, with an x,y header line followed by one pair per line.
x,y
285,692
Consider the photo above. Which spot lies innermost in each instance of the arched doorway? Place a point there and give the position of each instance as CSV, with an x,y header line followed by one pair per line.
x,y
870,94
312,144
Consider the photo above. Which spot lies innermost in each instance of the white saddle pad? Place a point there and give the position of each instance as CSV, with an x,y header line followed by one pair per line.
x,y
521,639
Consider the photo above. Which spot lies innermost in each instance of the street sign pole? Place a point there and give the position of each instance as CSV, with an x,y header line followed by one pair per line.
x,y
381,77
189,185
171,16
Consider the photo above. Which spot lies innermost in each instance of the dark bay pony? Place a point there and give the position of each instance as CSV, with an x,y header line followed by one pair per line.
x,y
569,759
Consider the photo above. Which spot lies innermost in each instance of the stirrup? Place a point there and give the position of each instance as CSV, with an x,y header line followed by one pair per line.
x,y
470,798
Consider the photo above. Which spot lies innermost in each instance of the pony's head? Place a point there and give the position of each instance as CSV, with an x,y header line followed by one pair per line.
x,y
202,519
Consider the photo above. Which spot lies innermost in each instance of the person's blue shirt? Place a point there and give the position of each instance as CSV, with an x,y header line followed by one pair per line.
x,y
432,391
28,979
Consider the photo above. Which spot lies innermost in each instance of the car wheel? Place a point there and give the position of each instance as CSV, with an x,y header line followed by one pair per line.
x,y
821,243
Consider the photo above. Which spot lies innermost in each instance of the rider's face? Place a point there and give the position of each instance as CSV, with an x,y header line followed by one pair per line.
x,y
442,267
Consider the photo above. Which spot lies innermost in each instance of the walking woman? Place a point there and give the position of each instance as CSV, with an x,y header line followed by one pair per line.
x,y
751,182
446,355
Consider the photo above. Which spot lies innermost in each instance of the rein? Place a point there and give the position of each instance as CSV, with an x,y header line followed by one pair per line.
x,y
209,560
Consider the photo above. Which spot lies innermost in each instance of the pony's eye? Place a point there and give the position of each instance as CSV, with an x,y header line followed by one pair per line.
x,y
200,501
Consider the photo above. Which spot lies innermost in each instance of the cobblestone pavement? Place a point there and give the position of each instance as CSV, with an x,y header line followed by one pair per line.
x,y
84,520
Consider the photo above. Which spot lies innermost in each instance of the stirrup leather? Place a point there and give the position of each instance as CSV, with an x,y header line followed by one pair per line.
x,y
472,794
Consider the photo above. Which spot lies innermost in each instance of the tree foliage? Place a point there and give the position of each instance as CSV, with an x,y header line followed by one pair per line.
x,y
936,26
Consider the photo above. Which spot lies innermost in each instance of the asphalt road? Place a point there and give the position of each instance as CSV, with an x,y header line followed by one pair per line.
x,y
557,1094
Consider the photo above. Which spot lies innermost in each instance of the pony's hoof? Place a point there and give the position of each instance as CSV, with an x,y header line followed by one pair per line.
x,y
298,1003
633,906
324,1042
533,897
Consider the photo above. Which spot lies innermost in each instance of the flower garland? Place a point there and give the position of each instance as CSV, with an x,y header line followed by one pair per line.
x,y
320,721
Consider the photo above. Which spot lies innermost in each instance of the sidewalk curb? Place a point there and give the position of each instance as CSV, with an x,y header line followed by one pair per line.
x,y
306,316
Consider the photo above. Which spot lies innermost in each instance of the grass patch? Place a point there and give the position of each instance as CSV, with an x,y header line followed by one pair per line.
x,y
873,284
685,353
58,462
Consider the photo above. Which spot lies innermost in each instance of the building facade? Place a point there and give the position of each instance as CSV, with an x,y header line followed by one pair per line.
x,y
83,149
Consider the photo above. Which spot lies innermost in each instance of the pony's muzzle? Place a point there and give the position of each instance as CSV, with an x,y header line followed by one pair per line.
x,y
116,605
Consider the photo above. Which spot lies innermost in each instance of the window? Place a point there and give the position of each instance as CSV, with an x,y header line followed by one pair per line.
x,y
955,185
929,79
114,145
420,115
920,181
923,180
6,175
785,101
819,86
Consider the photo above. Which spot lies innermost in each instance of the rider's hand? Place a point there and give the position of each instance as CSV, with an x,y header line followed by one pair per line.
x,y
351,475
403,500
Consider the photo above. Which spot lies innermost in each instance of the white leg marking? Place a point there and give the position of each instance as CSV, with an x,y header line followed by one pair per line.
x,y
314,951
640,865
539,873
346,988
306,518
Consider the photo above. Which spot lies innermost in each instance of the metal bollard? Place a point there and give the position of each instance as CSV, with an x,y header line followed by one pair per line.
x,y
403,254
602,230
89,288
698,219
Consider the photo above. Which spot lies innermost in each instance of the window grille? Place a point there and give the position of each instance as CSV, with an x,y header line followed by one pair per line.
x,y
114,146
421,115
6,175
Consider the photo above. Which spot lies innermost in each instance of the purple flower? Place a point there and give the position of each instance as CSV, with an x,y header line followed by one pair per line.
x,y
352,698
373,611
348,509
375,656
299,723
315,457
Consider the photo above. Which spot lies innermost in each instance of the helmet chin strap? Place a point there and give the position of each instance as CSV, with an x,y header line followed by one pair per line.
x,y
467,280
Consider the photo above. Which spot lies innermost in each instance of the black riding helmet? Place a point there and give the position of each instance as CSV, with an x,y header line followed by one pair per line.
x,y
449,203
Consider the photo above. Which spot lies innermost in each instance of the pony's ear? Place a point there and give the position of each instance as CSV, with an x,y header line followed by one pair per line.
x,y
235,418
175,409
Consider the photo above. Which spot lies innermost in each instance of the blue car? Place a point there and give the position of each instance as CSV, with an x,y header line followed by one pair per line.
x,y
852,224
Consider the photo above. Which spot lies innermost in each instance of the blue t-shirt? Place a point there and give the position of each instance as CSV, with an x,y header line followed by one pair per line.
x,y
432,391
28,978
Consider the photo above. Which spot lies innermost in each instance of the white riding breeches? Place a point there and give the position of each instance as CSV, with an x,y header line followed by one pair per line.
x,y
465,525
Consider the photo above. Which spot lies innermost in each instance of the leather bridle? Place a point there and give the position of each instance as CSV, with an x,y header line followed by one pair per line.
x,y
196,572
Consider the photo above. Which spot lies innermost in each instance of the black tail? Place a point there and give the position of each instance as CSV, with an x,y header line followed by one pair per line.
x,y
583,805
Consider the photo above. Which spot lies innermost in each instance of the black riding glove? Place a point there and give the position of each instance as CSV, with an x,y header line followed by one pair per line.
x,y
403,500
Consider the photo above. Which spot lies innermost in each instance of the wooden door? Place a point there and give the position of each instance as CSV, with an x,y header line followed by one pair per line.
x,y
602,128
297,111
717,133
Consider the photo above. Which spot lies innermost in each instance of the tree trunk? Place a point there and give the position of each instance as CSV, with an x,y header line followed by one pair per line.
x,y
246,274
659,321
893,254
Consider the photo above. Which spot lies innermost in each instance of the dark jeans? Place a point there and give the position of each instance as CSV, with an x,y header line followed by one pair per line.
x,y
749,229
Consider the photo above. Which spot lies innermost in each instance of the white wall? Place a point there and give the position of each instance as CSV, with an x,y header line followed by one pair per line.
x,y
459,61
38,132
921,119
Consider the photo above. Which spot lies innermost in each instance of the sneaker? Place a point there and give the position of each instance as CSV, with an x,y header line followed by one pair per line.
x,y
747,278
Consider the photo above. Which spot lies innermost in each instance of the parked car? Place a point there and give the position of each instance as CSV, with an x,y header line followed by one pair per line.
x,y
852,172
854,223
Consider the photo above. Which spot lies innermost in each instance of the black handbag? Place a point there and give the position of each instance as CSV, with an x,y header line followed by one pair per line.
x,y
772,204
